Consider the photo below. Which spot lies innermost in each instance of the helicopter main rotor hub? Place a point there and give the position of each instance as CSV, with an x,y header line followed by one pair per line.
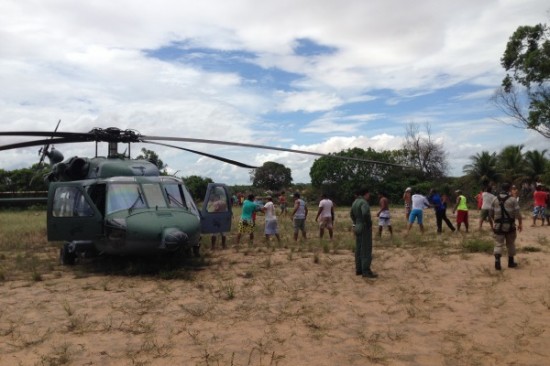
x,y
113,134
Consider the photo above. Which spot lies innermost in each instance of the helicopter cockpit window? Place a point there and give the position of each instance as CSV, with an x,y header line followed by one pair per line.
x,y
70,202
153,194
174,195
124,196
189,200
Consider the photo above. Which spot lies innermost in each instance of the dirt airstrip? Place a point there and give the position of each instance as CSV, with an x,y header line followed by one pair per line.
x,y
438,301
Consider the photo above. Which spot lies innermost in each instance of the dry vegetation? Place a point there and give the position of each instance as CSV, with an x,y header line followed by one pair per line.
x,y
438,301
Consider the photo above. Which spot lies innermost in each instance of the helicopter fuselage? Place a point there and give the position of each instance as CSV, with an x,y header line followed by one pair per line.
x,y
129,213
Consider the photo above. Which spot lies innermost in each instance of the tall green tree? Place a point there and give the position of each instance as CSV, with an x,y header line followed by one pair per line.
x,y
271,175
340,178
535,164
483,168
197,186
527,62
511,163
153,157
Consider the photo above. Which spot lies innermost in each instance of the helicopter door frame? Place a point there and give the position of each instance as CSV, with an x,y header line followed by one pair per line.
x,y
72,215
213,221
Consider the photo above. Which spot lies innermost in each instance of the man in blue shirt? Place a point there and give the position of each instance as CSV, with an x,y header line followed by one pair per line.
x,y
440,208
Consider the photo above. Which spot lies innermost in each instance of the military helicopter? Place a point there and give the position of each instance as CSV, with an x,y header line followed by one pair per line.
x,y
124,206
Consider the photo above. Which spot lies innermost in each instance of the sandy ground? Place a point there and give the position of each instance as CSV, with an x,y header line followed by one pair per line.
x,y
433,304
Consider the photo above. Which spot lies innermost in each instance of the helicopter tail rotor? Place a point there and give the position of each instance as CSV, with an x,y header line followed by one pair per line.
x,y
44,151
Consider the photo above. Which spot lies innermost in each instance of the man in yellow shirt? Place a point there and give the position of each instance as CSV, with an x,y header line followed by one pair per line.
x,y
461,209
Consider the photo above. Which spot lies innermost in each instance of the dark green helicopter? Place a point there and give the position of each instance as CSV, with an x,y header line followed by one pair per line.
x,y
119,205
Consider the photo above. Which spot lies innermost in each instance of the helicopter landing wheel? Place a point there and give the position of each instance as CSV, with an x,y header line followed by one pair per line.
x,y
66,256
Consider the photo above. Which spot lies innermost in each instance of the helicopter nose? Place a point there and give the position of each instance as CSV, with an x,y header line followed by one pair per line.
x,y
173,238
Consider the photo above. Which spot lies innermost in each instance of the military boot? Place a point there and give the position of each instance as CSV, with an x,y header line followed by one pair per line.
x,y
511,263
497,262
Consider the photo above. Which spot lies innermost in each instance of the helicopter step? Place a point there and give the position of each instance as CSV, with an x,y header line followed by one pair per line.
x,y
72,250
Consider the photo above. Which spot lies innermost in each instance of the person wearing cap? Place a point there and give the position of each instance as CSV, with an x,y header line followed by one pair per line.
x,y
407,198
271,227
299,215
461,209
505,211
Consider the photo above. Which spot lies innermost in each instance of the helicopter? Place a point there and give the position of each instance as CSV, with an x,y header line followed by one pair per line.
x,y
118,205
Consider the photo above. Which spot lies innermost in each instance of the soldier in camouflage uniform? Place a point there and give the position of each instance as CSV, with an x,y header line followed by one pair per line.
x,y
362,227
504,226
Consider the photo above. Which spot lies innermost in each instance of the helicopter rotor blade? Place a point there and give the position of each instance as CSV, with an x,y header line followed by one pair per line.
x,y
40,142
239,144
225,160
113,134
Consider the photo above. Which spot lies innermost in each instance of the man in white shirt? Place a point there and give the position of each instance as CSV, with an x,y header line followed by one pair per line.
x,y
326,213
271,227
487,199
299,216
418,204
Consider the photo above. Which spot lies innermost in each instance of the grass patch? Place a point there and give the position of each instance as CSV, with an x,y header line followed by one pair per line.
x,y
478,245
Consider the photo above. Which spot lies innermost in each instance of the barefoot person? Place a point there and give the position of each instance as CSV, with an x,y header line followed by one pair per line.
x,y
384,214
408,202
326,215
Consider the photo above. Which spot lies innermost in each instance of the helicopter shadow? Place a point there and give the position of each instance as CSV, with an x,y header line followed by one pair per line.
x,y
167,267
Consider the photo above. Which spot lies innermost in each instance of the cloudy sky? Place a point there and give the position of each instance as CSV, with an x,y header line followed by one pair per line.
x,y
316,75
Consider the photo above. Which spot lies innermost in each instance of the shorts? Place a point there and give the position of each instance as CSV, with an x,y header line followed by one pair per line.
x,y
484,215
325,223
299,224
416,214
246,226
271,227
539,211
384,218
461,216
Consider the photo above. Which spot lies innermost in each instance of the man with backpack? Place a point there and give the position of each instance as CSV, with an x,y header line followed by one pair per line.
x,y
505,211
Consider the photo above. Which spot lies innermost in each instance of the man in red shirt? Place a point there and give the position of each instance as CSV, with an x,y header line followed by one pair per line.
x,y
539,209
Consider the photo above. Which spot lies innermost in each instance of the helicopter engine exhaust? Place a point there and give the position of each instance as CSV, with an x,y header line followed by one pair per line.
x,y
173,239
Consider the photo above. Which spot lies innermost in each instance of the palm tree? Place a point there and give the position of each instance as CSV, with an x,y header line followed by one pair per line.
x,y
483,167
511,163
535,164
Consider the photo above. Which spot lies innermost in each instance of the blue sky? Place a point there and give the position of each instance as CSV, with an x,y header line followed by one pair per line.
x,y
321,75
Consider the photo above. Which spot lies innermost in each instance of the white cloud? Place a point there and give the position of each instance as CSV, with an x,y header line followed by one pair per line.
x,y
86,64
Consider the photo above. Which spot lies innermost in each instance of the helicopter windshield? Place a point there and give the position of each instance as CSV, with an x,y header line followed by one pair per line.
x,y
131,196
153,194
174,195
123,197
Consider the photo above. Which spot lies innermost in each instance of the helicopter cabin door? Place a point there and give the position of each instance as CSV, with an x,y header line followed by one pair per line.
x,y
216,210
72,215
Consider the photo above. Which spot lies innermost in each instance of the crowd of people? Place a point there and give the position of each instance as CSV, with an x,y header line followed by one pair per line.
x,y
500,210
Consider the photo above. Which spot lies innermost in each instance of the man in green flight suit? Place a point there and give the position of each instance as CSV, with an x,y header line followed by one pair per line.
x,y
362,227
